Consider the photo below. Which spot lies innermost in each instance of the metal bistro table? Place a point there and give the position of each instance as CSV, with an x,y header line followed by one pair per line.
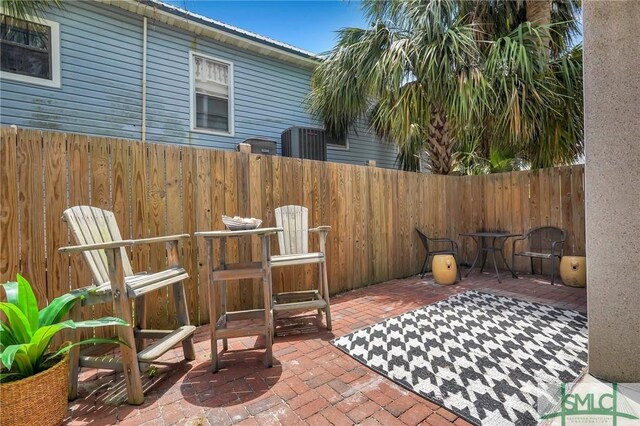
x,y
255,322
482,249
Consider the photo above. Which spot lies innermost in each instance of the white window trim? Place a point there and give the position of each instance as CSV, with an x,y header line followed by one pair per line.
x,y
192,96
344,147
55,81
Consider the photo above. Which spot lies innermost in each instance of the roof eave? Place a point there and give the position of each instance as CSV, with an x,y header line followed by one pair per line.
x,y
209,30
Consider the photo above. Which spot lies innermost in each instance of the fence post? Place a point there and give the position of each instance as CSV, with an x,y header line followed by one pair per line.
x,y
244,148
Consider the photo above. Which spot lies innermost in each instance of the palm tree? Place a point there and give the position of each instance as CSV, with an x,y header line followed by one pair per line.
x,y
401,74
430,74
537,99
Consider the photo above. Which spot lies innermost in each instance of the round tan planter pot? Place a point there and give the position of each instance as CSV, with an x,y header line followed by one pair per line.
x,y
573,271
444,269
39,400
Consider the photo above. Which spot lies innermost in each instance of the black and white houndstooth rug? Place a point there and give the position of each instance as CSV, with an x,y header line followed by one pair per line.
x,y
479,355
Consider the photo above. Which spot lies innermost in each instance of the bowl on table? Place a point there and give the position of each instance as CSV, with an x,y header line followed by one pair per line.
x,y
238,223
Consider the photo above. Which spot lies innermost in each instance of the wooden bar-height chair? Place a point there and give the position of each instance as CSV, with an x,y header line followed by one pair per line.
x,y
294,250
99,240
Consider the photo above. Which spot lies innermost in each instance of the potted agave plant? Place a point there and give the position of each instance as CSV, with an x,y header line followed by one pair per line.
x,y
33,378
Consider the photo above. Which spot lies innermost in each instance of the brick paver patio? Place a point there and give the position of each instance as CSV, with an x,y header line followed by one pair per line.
x,y
311,382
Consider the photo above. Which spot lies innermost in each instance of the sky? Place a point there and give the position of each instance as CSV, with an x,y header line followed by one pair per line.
x,y
308,24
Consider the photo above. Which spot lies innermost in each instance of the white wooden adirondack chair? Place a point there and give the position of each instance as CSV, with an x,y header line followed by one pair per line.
x,y
100,242
294,250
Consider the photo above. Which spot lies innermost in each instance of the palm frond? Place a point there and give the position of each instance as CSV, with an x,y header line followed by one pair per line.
x,y
481,70
27,9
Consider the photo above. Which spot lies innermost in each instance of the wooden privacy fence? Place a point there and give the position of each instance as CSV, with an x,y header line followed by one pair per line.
x,y
157,189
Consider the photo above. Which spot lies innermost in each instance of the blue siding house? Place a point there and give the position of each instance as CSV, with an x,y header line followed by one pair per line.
x,y
149,71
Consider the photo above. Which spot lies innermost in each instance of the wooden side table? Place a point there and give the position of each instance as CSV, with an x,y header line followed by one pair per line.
x,y
258,322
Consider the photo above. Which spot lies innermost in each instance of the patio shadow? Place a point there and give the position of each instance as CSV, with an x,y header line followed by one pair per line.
x,y
291,328
242,378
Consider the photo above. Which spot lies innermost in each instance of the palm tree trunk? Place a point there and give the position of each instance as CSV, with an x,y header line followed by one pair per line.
x,y
539,12
439,143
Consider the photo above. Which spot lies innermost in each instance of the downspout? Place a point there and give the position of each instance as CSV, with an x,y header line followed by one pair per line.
x,y
144,80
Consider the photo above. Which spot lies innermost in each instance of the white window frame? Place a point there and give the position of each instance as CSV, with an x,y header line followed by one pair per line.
x,y
337,147
192,96
55,80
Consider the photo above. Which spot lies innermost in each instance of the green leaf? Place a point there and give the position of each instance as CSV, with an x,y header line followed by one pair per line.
x,y
35,355
42,337
20,294
95,340
6,336
58,308
22,362
9,353
18,322
5,376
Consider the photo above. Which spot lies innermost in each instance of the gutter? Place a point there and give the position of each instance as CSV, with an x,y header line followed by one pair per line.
x,y
205,27
225,28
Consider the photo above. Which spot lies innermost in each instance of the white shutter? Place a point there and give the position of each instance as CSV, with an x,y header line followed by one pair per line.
x,y
211,78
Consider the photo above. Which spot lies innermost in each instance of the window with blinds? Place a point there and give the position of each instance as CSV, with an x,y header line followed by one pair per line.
x,y
212,84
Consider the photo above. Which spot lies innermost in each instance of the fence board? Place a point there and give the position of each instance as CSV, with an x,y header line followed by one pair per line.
x,y
100,194
338,206
307,201
157,301
120,188
357,225
391,242
174,220
454,188
267,214
365,218
189,247
566,208
255,210
277,201
545,212
375,224
504,213
245,287
403,218
315,213
159,189
139,203
295,191
348,270
518,183
578,216
31,210
57,274
9,254
468,211
79,172
231,209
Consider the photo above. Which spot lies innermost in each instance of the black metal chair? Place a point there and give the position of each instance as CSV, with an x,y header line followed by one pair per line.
x,y
544,242
452,251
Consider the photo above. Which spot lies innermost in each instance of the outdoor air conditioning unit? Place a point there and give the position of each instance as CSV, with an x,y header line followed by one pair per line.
x,y
305,142
262,146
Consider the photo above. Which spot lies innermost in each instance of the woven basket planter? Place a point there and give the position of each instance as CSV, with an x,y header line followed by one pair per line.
x,y
39,400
